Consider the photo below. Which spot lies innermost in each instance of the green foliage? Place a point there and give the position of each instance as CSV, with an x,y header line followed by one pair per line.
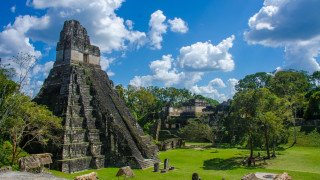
x,y
212,102
197,131
146,103
313,108
6,155
171,95
254,81
28,122
307,136
7,89
287,83
260,117
22,121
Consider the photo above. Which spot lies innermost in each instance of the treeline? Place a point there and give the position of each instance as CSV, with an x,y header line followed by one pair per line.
x,y
266,105
146,103
261,112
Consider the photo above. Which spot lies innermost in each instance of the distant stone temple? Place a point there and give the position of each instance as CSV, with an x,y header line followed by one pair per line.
x,y
194,108
99,130
177,117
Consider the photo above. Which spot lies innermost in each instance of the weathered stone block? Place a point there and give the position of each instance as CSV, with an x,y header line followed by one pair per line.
x,y
94,135
75,165
166,164
96,149
75,136
75,150
75,123
156,167
75,111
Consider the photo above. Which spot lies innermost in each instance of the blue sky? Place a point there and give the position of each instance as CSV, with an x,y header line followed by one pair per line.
x,y
204,46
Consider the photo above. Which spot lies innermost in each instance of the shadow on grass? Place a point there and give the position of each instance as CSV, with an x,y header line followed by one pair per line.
x,y
227,164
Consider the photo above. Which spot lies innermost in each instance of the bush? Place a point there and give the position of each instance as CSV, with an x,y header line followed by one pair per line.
x,y
6,155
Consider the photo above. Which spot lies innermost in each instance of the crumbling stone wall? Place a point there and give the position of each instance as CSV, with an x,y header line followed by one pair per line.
x,y
171,144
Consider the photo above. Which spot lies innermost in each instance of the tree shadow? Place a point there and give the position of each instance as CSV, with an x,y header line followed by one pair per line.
x,y
227,164
222,164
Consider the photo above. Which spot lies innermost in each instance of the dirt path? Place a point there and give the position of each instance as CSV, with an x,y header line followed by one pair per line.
x,y
17,175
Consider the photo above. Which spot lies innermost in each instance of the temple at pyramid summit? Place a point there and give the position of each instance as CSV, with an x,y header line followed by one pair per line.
x,y
99,130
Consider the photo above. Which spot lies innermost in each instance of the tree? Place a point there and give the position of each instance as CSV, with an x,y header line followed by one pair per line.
x,y
254,81
313,108
146,103
242,111
143,104
270,112
22,121
29,123
197,130
280,119
24,62
171,95
293,86
263,101
7,89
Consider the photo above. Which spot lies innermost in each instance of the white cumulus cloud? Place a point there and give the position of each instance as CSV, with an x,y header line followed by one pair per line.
x,y
205,57
172,72
293,25
13,38
161,71
211,90
105,62
106,30
158,27
178,25
232,82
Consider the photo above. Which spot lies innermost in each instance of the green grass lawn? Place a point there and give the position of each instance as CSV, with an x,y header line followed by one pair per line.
x,y
215,163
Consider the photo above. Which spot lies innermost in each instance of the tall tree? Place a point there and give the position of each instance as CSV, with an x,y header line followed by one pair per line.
x,y
270,112
29,123
242,110
263,102
21,120
254,81
293,86
313,108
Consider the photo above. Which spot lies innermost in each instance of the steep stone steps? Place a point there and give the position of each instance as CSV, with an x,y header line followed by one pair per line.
x,y
75,150
75,136
74,123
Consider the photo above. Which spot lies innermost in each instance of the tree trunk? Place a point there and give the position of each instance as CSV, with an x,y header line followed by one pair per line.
x,y
274,147
251,144
13,153
267,139
294,124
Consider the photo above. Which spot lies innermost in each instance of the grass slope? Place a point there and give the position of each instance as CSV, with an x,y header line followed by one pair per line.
x,y
211,163
301,161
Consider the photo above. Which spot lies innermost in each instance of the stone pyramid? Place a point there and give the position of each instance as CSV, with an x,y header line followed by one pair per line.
x,y
100,131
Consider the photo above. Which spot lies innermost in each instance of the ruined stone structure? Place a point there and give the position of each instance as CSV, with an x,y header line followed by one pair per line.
x,y
35,161
194,108
173,143
191,109
100,130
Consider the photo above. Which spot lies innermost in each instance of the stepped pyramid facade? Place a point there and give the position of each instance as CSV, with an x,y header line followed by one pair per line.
x,y
99,130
